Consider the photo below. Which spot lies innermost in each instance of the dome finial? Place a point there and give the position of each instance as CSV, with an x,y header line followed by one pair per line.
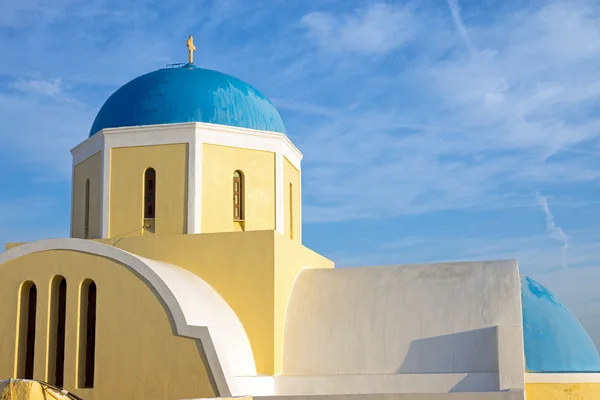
x,y
191,49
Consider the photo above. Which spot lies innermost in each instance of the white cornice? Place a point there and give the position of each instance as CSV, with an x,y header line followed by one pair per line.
x,y
563,377
155,132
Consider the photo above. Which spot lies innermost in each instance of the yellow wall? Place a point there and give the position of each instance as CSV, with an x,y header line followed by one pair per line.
x,y
291,176
127,167
562,391
137,354
91,169
252,271
290,259
218,165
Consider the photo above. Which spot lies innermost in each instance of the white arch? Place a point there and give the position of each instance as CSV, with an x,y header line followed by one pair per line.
x,y
195,307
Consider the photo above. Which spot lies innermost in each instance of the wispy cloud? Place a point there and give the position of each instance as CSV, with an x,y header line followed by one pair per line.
x,y
52,88
555,231
375,29
456,129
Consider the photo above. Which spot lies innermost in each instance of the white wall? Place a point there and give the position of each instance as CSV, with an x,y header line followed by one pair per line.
x,y
455,318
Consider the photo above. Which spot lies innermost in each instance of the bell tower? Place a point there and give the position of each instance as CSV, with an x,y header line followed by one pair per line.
x,y
185,178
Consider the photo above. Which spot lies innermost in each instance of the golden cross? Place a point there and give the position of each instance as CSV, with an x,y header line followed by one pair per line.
x,y
191,49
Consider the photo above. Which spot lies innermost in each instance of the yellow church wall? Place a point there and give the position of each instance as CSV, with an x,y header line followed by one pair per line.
x,y
290,258
136,352
238,265
562,391
291,187
127,168
91,169
258,168
252,271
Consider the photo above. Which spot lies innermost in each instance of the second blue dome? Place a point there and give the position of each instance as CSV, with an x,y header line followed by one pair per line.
x,y
188,94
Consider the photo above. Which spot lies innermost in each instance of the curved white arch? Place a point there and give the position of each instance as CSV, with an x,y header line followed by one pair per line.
x,y
195,307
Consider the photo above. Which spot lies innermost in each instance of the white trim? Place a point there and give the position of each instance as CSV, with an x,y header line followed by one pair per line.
x,y
191,194
248,139
592,377
279,194
72,199
87,148
198,183
181,133
300,207
194,134
195,307
263,385
105,193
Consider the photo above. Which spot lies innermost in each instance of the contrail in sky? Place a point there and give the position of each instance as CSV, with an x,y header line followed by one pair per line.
x,y
458,23
555,231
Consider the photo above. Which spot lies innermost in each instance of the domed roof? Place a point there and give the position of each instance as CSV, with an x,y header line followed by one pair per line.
x,y
188,94
554,339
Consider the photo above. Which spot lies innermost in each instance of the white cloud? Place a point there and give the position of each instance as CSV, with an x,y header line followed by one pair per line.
x,y
52,88
375,29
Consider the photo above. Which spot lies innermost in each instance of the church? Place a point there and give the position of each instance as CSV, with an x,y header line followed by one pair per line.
x,y
185,277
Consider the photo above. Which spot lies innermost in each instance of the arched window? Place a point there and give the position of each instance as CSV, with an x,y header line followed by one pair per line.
x,y
238,196
291,213
86,229
26,342
58,314
150,194
87,334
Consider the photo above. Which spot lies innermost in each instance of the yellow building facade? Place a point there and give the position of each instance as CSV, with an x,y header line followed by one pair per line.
x,y
185,277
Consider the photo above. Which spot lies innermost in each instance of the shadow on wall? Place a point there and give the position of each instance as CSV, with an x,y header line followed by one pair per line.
x,y
471,352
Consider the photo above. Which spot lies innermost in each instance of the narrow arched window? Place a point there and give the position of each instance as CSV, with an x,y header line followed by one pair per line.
x,y
87,334
291,212
56,356
238,196
26,341
150,194
86,229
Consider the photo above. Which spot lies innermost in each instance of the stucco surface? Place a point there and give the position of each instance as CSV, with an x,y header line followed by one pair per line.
x,y
563,391
127,168
91,169
258,168
411,319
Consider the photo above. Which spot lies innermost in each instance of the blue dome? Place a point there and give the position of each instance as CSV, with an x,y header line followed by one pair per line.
x,y
554,339
188,94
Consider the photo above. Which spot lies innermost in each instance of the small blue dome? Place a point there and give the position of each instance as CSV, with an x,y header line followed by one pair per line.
x,y
554,339
188,94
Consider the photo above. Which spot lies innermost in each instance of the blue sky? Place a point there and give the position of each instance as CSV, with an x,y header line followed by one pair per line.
x,y
431,130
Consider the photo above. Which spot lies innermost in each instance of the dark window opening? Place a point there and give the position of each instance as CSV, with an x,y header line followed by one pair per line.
x,y
238,196
61,313
26,345
88,335
86,229
150,193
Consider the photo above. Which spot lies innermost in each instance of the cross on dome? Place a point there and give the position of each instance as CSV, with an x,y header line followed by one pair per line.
x,y
191,49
